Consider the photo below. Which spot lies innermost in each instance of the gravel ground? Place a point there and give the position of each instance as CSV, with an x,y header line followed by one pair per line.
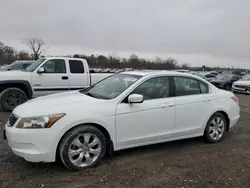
x,y
185,163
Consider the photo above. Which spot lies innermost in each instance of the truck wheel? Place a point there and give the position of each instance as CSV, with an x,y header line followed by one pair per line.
x,y
11,98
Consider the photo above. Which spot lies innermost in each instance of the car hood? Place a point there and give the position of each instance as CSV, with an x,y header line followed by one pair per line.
x,y
68,102
242,82
14,75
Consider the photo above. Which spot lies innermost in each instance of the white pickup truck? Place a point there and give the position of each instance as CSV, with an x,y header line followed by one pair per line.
x,y
43,77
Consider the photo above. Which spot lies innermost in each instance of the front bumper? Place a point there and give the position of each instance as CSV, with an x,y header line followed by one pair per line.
x,y
241,90
32,145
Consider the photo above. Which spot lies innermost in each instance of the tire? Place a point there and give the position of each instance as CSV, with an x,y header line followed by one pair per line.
x,y
216,128
87,145
11,98
227,87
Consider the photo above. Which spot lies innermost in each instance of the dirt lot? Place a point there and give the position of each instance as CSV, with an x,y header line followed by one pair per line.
x,y
186,163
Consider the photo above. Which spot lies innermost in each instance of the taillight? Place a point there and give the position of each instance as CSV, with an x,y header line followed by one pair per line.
x,y
235,99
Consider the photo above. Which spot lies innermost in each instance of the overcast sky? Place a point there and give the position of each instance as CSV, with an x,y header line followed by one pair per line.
x,y
197,32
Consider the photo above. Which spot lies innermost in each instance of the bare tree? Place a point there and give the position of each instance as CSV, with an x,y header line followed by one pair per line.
x,y
9,51
1,47
185,66
23,55
36,45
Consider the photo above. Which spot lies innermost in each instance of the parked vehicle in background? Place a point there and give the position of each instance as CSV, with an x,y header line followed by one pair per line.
x,y
43,77
183,70
196,74
210,77
214,73
243,73
243,85
17,65
225,81
81,126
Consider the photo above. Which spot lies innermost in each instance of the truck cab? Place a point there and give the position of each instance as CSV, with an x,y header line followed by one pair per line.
x,y
43,77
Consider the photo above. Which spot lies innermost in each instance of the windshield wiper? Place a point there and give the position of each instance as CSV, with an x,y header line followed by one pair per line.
x,y
90,94
95,95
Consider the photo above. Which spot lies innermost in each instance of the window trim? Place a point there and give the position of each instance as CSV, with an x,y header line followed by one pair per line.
x,y
213,76
204,84
82,67
53,72
124,99
198,80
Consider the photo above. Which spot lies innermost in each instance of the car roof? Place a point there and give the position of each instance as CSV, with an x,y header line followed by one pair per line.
x,y
155,73
61,57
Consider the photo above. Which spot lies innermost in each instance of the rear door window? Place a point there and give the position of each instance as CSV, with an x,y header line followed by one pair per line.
x,y
204,87
76,67
186,86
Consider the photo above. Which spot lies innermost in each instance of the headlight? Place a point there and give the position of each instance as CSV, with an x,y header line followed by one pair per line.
x,y
39,121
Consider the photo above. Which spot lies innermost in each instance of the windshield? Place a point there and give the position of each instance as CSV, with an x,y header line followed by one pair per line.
x,y
112,86
16,67
246,77
34,65
224,77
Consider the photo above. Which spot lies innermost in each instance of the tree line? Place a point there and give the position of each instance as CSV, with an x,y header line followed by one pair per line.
x,y
101,61
8,54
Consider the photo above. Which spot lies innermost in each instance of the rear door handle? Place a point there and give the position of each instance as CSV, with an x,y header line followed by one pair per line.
x,y
208,100
167,105
65,77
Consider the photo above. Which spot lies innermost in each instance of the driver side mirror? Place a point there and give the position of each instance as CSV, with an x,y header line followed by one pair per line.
x,y
135,98
41,70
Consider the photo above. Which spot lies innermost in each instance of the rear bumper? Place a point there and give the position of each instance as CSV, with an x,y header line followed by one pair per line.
x,y
234,121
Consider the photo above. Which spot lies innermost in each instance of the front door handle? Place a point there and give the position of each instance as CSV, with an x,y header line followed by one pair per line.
x,y
65,77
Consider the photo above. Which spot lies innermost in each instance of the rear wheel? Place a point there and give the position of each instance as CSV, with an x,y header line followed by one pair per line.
x,y
11,98
227,87
82,147
216,128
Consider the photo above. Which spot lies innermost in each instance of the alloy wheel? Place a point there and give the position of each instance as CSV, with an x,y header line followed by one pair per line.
x,y
216,128
84,150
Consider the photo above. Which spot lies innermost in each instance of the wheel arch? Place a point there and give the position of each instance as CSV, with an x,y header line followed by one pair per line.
x,y
110,145
224,113
24,85
226,117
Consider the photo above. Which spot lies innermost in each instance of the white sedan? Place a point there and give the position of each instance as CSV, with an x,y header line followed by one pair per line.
x,y
125,110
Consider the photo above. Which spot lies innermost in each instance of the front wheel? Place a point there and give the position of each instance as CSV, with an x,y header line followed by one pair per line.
x,y
82,147
11,98
216,128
